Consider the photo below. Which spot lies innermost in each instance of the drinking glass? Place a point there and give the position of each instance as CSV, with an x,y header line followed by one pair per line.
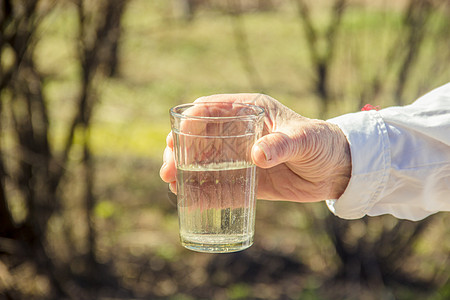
x,y
216,178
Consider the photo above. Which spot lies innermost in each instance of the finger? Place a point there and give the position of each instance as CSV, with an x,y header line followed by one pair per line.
x,y
273,108
173,187
168,172
194,119
273,149
169,140
249,98
219,98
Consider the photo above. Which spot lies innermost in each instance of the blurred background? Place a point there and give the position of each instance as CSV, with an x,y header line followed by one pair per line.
x,y
85,89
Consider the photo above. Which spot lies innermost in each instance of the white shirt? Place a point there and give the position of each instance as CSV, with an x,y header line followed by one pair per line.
x,y
400,159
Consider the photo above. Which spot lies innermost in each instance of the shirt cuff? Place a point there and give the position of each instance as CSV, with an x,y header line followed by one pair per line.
x,y
369,146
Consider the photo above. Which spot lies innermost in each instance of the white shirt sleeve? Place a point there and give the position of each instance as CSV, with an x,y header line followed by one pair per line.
x,y
400,159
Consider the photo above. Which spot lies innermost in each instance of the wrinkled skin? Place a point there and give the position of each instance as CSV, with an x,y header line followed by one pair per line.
x,y
299,159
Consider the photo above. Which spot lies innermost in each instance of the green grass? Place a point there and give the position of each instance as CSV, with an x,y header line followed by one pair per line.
x,y
141,139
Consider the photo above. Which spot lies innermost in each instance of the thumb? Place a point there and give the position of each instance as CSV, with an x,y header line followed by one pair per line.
x,y
273,149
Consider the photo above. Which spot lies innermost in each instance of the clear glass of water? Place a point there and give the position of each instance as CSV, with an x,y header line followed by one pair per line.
x,y
216,178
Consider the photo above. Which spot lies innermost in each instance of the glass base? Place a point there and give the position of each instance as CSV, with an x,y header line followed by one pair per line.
x,y
216,243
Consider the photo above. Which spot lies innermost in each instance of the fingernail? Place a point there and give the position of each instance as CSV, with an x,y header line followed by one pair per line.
x,y
264,151
166,154
161,171
172,187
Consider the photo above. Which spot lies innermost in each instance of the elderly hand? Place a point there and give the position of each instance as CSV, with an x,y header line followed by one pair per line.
x,y
299,159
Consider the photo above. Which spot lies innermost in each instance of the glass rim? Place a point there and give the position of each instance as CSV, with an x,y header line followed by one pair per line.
x,y
258,111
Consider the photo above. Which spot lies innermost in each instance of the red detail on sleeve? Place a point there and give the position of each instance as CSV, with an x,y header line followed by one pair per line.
x,y
368,107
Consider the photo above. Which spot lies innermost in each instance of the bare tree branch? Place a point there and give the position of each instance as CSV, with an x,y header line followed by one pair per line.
x,y
243,47
322,58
